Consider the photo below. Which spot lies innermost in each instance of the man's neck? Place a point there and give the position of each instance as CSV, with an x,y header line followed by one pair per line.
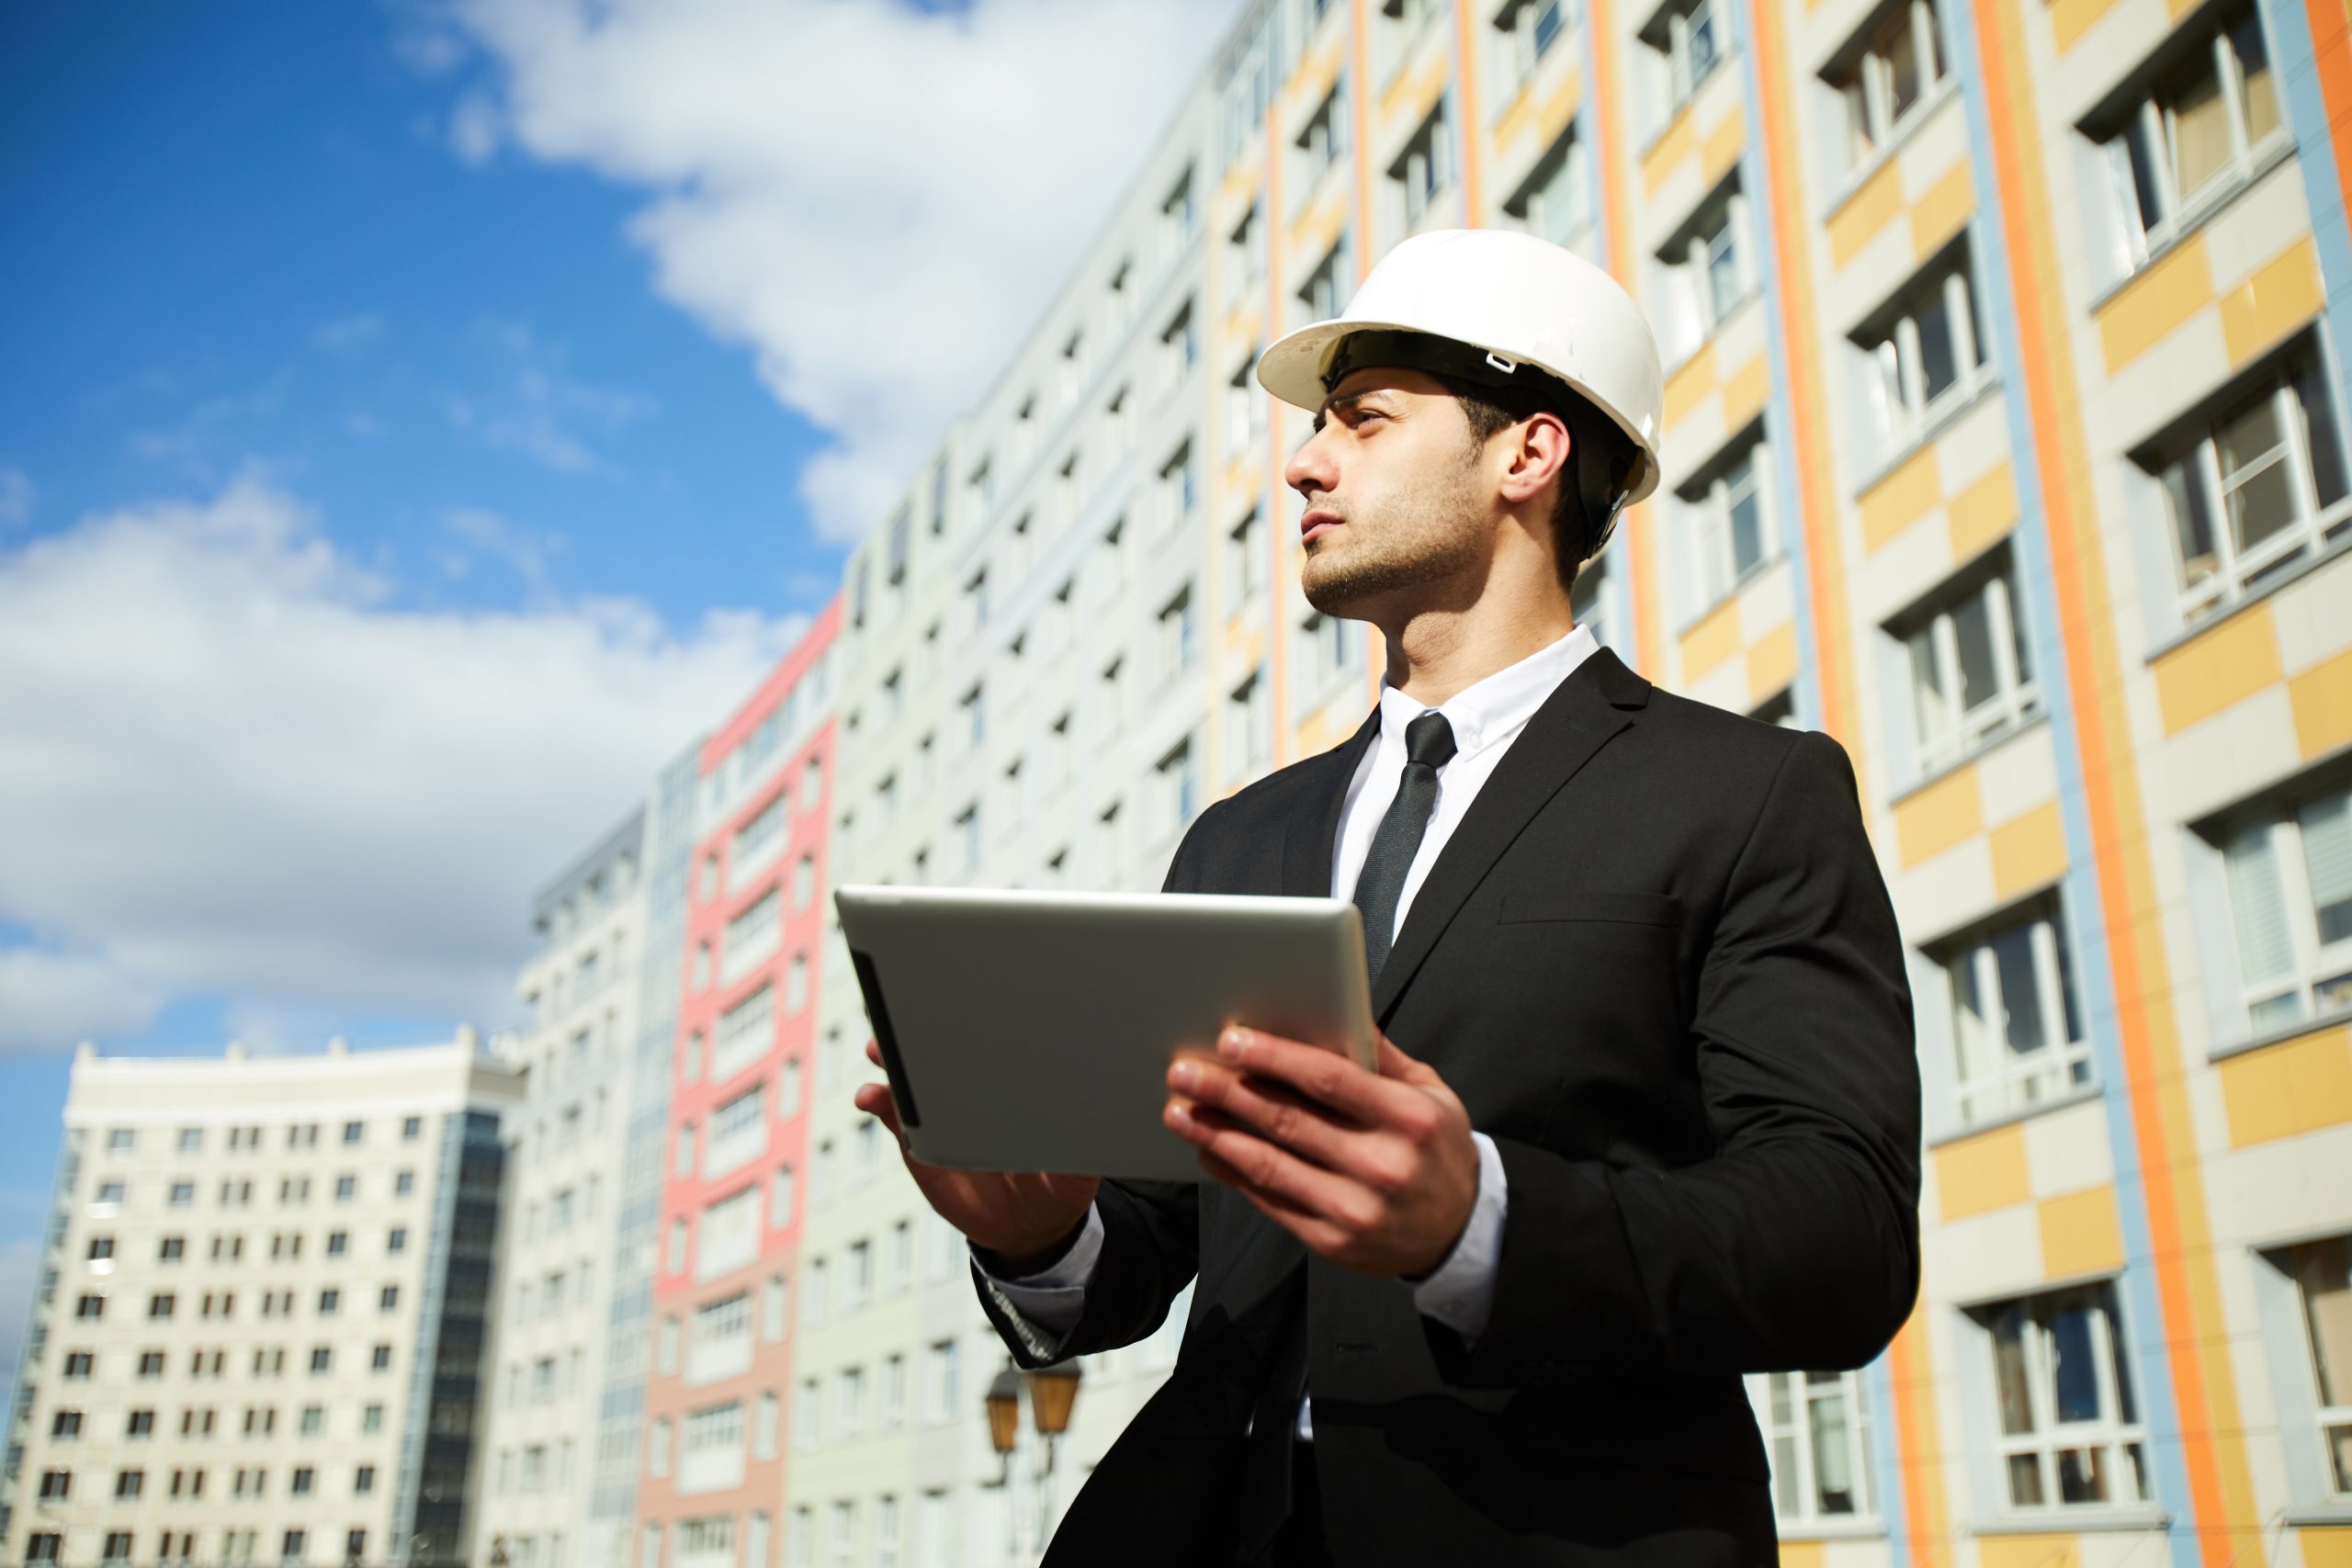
x,y
1436,653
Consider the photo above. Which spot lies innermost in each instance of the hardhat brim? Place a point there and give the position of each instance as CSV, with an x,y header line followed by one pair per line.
x,y
1292,370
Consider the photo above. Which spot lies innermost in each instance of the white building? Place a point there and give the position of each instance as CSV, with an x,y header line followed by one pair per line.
x,y
548,1349
259,1325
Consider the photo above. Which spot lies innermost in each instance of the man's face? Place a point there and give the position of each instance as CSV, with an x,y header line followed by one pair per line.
x,y
1397,497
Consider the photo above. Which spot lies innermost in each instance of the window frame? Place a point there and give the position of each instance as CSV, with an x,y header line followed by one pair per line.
x,y
2117,1385
2314,962
2008,1083
2017,700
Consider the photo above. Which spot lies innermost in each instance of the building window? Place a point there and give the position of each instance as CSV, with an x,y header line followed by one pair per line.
x,y
1324,292
2070,1430
1245,406
1526,31
2289,877
1817,1429
1708,269
1728,524
2175,154
1424,169
1555,202
2255,488
1686,42
1179,786
1924,351
1970,677
2017,1037
1323,139
1176,633
2322,1274
1894,64
1248,723
1180,346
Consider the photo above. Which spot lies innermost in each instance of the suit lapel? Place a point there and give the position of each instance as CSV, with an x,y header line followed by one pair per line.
x,y
1313,828
1593,705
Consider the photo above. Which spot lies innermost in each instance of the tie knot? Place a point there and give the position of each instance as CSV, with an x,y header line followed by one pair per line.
x,y
1429,740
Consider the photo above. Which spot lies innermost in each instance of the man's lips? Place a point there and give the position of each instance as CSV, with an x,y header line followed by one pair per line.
x,y
1314,521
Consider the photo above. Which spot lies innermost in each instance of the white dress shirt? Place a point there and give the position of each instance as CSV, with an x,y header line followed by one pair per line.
x,y
1486,718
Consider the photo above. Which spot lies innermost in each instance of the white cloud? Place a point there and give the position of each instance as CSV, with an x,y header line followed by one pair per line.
x,y
348,334
536,407
255,776
16,497
49,1000
527,553
877,201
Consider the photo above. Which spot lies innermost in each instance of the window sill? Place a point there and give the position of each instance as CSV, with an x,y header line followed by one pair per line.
x,y
2308,1514
2279,1036
1715,328
1677,108
1944,770
2236,608
2072,1097
1866,1526
1940,417
1898,137
2209,206
2074,1521
1739,584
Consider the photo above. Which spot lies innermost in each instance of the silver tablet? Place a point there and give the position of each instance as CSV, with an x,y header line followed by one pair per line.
x,y
1033,1031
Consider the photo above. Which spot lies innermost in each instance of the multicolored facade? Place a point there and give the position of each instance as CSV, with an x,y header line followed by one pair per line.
x,y
756,911
2005,440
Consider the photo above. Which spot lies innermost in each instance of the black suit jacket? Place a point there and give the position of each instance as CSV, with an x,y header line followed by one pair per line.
x,y
1657,963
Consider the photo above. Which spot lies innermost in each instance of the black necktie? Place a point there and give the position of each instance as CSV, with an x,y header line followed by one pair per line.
x,y
1428,746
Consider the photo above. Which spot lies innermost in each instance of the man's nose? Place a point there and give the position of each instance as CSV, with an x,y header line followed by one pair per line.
x,y
1311,469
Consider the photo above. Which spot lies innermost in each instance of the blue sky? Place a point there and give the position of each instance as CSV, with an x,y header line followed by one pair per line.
x,y
421,419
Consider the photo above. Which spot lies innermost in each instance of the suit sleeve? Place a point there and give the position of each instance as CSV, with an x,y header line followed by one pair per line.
x,y
1795,1245
1150,1234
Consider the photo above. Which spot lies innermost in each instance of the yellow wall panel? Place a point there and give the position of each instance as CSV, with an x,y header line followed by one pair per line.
x,y
2296,1085
2029,851
2321,699
1720,148
2155,302
1977,1175
1744,393
2029,1551
1872,206
1713,640
1901,497
1413,93
1939,213
1805,1554
1675,143
2070,18
1933,819
2281,295
1981,512
2326,1547
2080,1234
2233,661
1691,380
1771,662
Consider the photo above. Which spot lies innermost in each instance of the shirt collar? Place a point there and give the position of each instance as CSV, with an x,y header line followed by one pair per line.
x,y
1493,708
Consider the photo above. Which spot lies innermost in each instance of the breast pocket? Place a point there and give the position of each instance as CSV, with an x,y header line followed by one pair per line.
x,y
1627,908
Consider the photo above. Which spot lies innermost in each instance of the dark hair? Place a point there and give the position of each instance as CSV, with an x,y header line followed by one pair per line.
x,y
1601,458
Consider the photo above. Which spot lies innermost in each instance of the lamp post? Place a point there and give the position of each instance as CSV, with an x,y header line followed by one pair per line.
x,y
1053,1394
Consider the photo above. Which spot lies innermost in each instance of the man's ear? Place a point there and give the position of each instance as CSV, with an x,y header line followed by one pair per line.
x,y
1544,451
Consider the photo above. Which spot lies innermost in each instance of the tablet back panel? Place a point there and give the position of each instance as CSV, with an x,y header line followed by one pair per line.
x,y
1033,1031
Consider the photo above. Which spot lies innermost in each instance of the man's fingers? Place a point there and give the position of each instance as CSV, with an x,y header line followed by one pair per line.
x,y
1339,1200
1320,1075
874,1053
1282,1116
876,1100
1394,1064
1320,1235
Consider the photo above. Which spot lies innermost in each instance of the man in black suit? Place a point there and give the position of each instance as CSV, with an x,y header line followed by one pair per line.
x,y
1647,1111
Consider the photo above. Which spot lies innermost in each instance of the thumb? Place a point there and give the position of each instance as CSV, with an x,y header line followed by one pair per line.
x,y
1394,1064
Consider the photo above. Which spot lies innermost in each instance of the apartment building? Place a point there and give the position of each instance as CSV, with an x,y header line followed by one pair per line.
x,y
258,1330
741,1058
2004,442
565,1144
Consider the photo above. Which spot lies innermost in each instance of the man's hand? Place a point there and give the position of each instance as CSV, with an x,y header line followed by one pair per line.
x,y
1021,1216
1373,1170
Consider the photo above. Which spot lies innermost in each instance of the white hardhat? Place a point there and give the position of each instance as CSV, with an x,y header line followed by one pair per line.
x,y
1517,303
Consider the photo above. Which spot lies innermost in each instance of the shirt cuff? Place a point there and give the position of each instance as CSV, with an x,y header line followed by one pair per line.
x,y
1460,1292
1053,1299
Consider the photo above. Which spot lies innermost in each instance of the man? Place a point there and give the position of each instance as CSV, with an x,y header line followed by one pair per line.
x,y
1647,1112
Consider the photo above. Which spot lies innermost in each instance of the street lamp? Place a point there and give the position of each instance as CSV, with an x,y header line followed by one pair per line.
x,y
1053,1394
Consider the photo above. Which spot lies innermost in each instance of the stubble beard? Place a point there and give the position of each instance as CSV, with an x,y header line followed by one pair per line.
x,y
1420,535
